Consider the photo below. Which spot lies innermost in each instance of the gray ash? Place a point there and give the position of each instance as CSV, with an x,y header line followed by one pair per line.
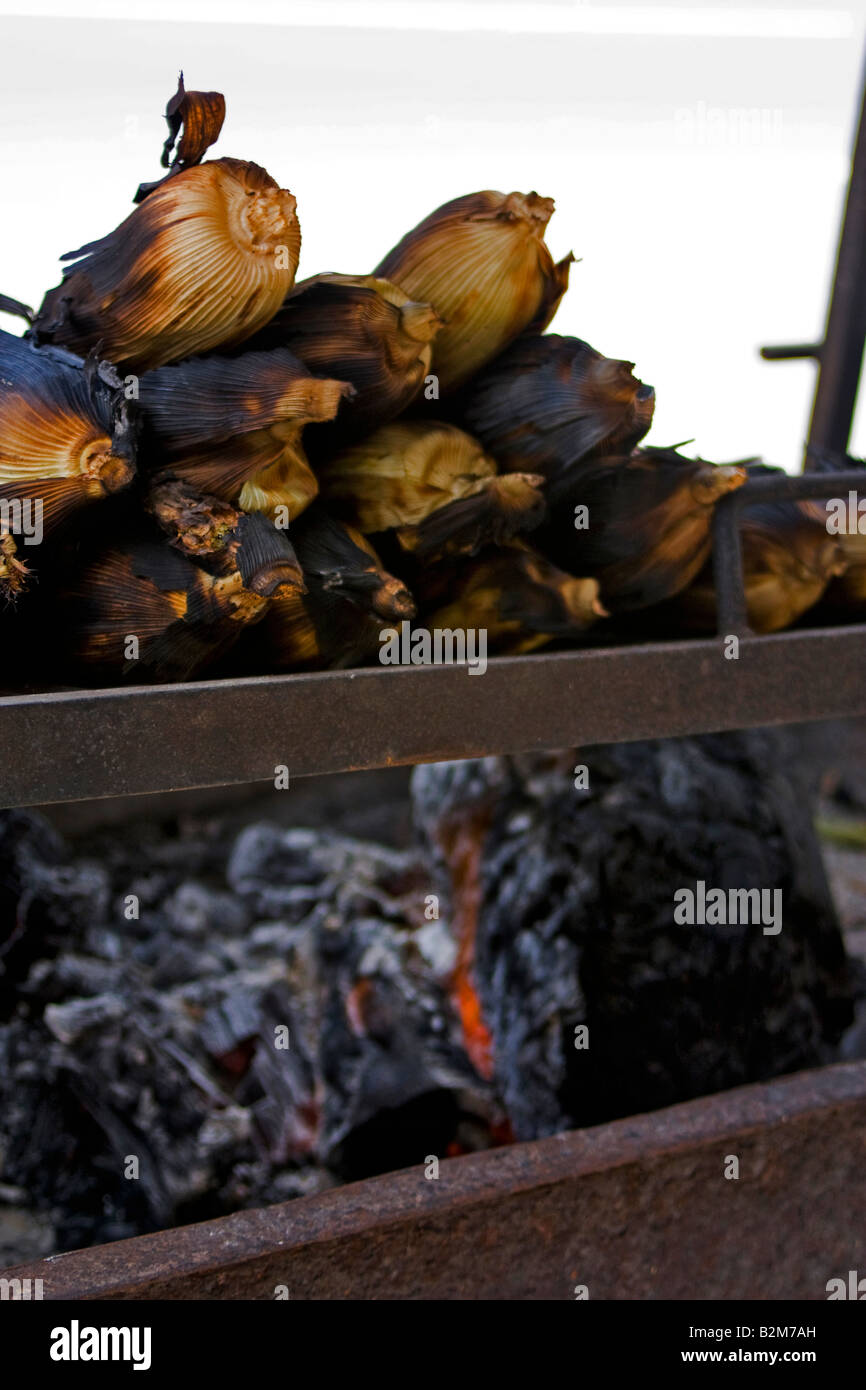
x,y
159,1038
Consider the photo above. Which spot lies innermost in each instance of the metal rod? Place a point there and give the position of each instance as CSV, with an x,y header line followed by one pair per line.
x,y
842,350
796,487
731,612
88,744
790,352
731,607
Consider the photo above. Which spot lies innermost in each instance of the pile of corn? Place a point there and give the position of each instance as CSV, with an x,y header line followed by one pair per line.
x,y
222,460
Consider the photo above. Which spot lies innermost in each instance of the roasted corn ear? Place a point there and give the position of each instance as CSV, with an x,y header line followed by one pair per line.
x,y
359,329
223,539
67,439
517,596
204,261
640,524
482,262
232,427
549,403
434,485
141,610
348,599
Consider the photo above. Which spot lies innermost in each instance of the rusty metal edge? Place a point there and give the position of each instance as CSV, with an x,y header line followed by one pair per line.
x,y
81,745
166,1264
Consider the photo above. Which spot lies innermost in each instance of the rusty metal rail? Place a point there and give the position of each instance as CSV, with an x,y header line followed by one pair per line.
x,y
90,744
640,1208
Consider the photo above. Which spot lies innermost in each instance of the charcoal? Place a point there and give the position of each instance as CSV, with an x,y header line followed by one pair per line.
x,y
177,962
156,1036
103,943
266,856
71,1021
42,897
197,911
71,973
384,1070
24,1235
228,1024
575,923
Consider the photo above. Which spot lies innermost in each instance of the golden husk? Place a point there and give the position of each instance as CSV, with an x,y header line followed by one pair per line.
x,y
205,260
65,434
403,472
483,264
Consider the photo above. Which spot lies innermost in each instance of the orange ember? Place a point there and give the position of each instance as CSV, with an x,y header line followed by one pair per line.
x,y
476,1034
462,844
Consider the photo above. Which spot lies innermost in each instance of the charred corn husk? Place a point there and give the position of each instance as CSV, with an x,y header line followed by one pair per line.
x,y
788,562
212,400
434,484
518,597
143,611
232,427
194,522
550,402
337,558
507,505
16,308
223,540
205,260
640,524
264,558
362,330
194,121
348,599
482,262
67,438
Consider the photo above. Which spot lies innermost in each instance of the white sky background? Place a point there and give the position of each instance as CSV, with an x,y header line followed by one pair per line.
x,y
697,153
